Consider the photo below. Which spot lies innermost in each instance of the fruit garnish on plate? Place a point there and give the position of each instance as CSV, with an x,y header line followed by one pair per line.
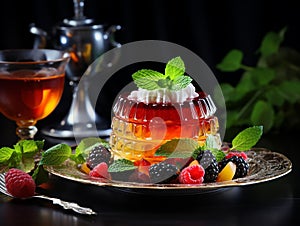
x,y
174,164
186,162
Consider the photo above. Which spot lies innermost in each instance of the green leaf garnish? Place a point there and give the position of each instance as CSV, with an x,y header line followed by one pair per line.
x,y
148,79
247,138
180,82
121,165
175,68
6,154
21,155
56,155
173,79
219,155
178,148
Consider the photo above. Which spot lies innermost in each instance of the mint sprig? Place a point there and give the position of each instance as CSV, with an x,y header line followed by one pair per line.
x,y
173,79
21,156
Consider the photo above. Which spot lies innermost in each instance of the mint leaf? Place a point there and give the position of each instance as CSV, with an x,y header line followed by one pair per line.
x,y
5,154
147,79
219,155
121,165
232,61
247,138
175,68
56,155
180,82
178,148
29,147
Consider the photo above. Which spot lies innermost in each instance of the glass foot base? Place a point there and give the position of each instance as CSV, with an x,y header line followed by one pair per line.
x,y
77,130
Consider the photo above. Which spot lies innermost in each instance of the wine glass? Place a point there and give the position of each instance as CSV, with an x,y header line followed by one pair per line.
x,y
31,86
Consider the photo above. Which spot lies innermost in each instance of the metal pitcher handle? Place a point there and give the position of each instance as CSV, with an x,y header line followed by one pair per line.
x,y
109,34
40,40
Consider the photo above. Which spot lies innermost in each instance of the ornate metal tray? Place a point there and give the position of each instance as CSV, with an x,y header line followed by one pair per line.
x,y
264,165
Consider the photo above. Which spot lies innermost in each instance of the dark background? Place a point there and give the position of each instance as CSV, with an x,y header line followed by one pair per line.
x,y
207,27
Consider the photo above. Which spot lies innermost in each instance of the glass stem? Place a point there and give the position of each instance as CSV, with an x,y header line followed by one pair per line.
x,y
26,133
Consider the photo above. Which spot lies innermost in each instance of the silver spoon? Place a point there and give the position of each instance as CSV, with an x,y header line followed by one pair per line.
x,y
66,205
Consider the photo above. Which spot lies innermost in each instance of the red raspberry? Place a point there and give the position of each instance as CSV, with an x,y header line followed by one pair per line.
x,y
100,170
238,154
192,175
19,184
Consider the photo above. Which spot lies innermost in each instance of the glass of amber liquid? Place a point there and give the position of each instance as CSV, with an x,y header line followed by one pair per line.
x,y
31,86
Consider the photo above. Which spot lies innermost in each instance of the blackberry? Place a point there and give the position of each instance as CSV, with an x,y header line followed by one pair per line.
x,y
208,161
242,167
222,164
163,172
97,155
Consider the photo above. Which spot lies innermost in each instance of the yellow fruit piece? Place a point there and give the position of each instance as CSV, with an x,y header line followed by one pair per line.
x,y
194,162
84,168
227,173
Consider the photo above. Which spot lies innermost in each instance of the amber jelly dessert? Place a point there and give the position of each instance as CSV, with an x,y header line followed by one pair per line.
x,y
145,119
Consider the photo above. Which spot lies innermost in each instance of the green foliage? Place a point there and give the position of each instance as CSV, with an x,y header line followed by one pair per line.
x,y
267,94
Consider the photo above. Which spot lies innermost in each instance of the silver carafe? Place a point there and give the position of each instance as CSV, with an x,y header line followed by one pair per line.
x,y
85,40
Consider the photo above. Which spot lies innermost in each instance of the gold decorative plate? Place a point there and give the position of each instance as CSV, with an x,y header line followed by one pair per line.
x,y
264,165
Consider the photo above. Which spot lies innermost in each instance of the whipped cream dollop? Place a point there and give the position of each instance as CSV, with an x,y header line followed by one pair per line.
x,y
163,95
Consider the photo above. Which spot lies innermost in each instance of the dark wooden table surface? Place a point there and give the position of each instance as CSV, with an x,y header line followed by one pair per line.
x,y
276,202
